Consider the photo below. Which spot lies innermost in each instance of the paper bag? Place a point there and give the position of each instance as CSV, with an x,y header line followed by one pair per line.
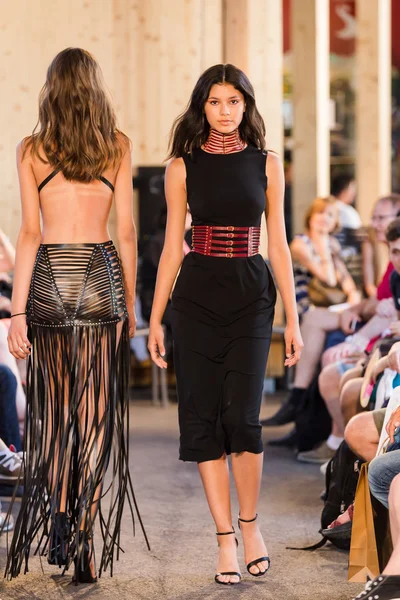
x,y
363,559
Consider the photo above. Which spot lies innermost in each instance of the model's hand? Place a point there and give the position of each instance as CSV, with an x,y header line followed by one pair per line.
x,y
347,318
132,323
156,345
393,423
18,343
293,345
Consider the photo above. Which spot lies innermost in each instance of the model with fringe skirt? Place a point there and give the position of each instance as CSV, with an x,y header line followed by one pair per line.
x,y
72,317
77,395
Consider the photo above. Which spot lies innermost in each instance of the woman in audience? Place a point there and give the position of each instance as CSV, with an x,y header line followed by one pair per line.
x,y
316,254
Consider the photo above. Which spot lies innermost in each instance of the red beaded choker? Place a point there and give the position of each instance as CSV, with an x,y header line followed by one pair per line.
x,y
223,143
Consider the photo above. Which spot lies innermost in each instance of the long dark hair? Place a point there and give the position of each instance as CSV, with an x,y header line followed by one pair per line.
x,y
76,129
190,130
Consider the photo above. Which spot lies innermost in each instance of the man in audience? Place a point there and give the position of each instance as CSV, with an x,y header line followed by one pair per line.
x,y
384,481
343,188
330,376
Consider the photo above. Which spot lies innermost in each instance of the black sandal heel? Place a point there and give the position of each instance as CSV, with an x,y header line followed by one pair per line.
x,y
83,572
228,572
59,540
254,563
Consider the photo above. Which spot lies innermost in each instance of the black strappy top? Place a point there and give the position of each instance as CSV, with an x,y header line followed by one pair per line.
x,y
56,171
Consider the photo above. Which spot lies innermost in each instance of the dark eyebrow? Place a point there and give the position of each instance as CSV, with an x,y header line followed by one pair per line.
x,y
231,98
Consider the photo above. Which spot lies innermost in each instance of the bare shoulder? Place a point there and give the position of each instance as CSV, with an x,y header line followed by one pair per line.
x,y
124,143
176,168
24,149
274,166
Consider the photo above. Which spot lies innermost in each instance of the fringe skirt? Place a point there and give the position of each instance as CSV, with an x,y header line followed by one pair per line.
x,y
77,420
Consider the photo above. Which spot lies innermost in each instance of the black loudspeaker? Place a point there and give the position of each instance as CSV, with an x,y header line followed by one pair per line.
x,y
150,183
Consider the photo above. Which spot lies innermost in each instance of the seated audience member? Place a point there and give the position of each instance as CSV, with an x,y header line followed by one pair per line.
x,y
375,250
9,425
7,360
347,354
316,257
320,322
343,190
384,482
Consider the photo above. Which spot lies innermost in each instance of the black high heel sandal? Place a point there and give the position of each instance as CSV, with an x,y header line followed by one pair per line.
x,y
228,572
59,540
83,572
254,563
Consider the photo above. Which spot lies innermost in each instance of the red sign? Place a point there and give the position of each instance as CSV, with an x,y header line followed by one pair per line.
x,y
343,25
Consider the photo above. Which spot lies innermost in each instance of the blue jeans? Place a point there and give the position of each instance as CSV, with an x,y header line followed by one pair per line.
x,y
9,426
381,472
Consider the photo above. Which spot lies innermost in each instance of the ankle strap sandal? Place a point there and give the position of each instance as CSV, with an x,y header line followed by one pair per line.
x,y
233,573
254,563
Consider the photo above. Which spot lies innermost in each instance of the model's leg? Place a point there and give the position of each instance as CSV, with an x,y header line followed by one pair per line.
x,y
393,566
247,471
240,418
215,477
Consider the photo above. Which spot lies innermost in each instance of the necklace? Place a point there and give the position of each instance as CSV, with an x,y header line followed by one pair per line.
x,y
223,143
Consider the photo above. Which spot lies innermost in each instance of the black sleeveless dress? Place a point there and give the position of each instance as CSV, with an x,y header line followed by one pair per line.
x,y
222,313
77,405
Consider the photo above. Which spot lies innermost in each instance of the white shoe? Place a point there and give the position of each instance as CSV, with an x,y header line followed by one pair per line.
x,y
324,467
11,466
6,523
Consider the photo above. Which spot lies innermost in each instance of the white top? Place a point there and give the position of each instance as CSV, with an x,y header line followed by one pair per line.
x,y
348,215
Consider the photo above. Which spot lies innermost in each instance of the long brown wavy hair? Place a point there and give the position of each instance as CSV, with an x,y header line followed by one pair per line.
x,y
76,128
190,130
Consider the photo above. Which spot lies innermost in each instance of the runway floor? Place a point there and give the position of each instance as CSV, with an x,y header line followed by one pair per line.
x,y
181,563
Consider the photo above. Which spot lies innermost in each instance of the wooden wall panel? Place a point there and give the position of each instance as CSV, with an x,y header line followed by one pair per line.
x,y
151,53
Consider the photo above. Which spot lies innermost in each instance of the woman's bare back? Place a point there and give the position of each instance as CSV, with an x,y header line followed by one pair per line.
x,y
72,211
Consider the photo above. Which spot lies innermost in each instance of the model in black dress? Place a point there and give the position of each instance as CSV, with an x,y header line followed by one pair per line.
x,y
224,297
72,318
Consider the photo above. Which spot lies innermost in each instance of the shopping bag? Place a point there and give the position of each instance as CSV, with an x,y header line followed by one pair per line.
x,y
363,559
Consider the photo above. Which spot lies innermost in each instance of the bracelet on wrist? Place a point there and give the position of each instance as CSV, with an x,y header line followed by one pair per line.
x,y
17,314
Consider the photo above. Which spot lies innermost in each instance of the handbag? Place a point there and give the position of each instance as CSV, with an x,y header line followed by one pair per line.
x,y
363,559
322,294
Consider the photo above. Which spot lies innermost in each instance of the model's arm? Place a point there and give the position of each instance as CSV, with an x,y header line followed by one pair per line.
x,y
126,232
279,255
27,245
172,254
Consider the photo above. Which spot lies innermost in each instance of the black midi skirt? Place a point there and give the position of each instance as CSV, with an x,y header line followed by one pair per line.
x,y
222,316
77,422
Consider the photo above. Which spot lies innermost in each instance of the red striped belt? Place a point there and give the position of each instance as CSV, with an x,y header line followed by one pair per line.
x,y
226,242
